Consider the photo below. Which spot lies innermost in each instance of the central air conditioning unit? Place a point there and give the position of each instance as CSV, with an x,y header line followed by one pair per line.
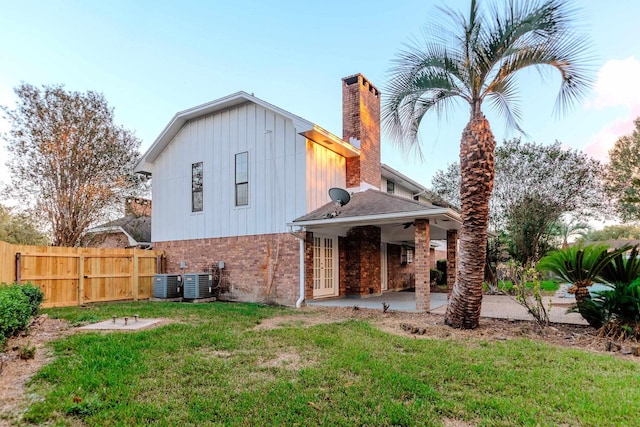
x,y
167,286
198,285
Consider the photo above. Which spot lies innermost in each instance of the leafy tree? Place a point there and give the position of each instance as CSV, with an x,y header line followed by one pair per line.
x,y
535,185
475,58
529,226
613,232
20,229
569,179
69,162
623,175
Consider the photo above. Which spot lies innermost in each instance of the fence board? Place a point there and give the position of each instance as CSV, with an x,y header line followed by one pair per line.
x,y
71,276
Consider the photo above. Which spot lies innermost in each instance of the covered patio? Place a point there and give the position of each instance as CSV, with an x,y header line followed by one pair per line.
x,y
397,301
378,242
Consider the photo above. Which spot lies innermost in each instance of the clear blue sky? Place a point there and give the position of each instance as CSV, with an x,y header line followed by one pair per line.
x,y
154,58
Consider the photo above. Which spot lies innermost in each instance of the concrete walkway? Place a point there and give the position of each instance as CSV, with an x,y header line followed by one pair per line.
x,y
493,306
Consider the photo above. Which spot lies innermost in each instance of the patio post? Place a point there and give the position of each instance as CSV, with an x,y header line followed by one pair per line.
x,y
421,264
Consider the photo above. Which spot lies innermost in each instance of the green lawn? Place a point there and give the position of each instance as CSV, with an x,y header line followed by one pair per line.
x,y
212,367
547,286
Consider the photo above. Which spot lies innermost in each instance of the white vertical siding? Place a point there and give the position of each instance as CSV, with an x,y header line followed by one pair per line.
x,y
277,191
399,190
325,169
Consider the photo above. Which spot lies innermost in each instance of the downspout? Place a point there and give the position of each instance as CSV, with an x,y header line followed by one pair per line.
x,y
302,240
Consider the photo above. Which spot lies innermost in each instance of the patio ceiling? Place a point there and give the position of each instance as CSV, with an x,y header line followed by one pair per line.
x,y
393,214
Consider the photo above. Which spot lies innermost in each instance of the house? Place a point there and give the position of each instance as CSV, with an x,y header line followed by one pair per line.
x,y
133,230
242,184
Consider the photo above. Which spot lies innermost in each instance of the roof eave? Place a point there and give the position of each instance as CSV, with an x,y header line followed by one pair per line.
x,y
331,142
378,219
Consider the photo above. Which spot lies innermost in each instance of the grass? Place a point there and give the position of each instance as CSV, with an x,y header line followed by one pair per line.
x,y
547,286
212,367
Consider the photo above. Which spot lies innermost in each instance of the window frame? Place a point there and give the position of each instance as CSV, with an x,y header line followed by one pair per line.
x,y
391,187
240,181
194,186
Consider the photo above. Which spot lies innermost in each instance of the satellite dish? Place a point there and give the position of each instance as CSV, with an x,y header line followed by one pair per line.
x,y
340,196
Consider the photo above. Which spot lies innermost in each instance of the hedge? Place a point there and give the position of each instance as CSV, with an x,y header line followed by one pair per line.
x,y
18,303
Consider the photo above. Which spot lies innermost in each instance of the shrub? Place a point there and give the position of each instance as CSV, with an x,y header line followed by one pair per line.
x,y
525,283
15,311
435,275
35,296
18,303
441,265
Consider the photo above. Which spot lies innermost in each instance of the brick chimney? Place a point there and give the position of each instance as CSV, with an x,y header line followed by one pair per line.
x,y
361,128
137,206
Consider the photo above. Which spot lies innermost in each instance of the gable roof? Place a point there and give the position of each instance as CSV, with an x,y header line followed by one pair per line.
x,y
137,228
304,127
374,206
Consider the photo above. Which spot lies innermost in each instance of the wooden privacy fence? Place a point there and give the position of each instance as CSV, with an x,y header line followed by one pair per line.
x,y
74,276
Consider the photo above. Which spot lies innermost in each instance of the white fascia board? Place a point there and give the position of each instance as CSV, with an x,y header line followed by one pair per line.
x,y
381,218
180,118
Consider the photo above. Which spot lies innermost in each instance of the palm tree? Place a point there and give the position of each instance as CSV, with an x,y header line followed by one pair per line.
x,y
476,59
570,229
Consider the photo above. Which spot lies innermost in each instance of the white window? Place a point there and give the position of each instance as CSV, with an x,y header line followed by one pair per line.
x,y
196,187
391,187
242,179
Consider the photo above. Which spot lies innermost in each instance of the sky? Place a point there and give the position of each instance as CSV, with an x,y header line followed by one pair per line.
x,y
152,59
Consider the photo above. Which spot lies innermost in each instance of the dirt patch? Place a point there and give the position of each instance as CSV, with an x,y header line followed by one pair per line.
x,y
431,326
289,360
16,372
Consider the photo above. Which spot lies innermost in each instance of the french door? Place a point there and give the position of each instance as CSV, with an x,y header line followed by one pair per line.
x,y
325,266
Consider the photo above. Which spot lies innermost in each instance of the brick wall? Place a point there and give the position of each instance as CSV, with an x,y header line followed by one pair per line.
x,y
362,256
400,276
361,121
258,268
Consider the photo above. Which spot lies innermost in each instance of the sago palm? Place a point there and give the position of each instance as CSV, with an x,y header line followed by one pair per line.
x,y
476,58
580,266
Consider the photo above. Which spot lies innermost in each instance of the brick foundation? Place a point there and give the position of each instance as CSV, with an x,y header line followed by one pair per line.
x,y
258,268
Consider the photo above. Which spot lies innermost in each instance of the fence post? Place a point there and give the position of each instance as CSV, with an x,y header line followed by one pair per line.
x,y
135,275
18,267
80,279
159,264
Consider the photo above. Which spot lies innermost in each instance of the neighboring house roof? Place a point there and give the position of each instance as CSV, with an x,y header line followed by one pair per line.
x,y
373,206
136,228
304,127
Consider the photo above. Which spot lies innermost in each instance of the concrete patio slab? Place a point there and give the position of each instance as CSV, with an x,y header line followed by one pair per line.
x,y
493,306
398,301
119,325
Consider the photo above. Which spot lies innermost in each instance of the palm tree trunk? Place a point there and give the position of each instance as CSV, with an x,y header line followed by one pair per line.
x,y
477,171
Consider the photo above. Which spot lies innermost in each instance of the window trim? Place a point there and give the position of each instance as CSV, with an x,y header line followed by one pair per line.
x,y
193,186
391,187
237,183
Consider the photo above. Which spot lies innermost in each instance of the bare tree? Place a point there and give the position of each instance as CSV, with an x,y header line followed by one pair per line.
x,y
68,160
